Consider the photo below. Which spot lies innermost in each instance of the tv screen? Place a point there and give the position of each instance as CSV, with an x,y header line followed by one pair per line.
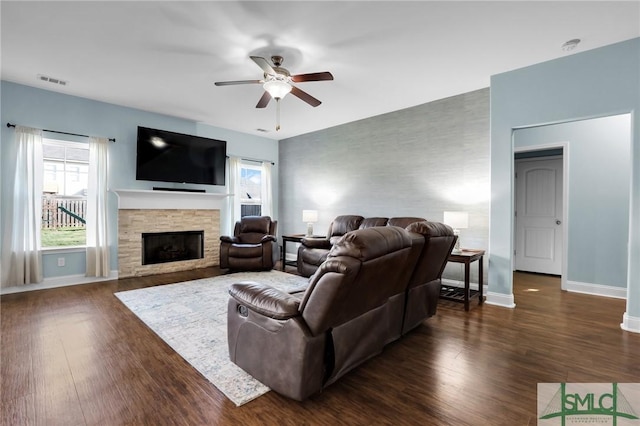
x,y
175,157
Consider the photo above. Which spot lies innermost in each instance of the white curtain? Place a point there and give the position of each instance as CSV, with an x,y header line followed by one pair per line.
x,y
267,195
233,202
97,231
21,253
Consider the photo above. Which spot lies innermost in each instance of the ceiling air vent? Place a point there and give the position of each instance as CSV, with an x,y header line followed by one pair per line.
x,y
51,80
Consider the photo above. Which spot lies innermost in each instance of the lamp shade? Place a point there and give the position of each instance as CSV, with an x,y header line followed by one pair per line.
x,y
309,216
457,220
278,89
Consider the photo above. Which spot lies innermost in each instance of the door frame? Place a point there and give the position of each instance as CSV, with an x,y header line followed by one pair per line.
x,y
565,201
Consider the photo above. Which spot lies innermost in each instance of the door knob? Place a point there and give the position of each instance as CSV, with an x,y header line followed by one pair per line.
x,y
558,222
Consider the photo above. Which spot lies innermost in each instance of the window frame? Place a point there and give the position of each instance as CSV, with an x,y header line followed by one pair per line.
x,y
65,144
243,198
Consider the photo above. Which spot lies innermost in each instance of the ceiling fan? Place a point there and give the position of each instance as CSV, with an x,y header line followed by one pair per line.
x,y
278,82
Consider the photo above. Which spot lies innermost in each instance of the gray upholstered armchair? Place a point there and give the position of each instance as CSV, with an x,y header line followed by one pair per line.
x,y
253,246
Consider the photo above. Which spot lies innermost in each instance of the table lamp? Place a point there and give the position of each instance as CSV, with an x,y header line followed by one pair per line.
x,y
310,217
457,220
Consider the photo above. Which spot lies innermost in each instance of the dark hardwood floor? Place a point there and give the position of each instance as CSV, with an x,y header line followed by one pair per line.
x,y
77,356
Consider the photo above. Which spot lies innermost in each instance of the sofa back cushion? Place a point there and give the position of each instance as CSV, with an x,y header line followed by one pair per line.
x,y
251,229
362,271
341,225
373,221
403,222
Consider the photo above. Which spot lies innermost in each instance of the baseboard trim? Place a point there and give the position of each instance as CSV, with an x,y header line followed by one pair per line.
x,y
630,323
62,281
499,299
597,289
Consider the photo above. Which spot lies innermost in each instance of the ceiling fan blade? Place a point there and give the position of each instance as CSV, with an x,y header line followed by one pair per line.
x,y
230,83
314,76
264,100
305,96
262,63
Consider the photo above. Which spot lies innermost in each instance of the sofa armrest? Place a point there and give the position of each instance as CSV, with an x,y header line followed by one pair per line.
x,y
265,300
228,239
310,242
267,238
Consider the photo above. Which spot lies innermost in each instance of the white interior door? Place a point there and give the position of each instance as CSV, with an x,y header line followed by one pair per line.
x,y
539,216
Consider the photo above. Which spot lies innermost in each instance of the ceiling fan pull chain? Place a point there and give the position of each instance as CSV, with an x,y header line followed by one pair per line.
x,y
277,114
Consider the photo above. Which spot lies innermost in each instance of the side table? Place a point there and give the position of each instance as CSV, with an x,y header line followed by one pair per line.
x,y
466,256
292,238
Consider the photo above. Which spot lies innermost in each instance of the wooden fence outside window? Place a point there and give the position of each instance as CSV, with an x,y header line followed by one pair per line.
x,y
63,212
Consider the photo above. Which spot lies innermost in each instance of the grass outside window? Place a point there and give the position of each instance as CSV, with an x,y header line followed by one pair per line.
x,y
64,237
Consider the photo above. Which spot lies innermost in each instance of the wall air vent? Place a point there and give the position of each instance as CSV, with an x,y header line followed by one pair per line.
x,y
51,80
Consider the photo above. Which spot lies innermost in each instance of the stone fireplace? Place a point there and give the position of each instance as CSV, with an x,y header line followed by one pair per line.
x,y
170,213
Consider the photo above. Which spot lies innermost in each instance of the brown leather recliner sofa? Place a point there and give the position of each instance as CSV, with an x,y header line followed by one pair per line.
x,y
356,303
313,250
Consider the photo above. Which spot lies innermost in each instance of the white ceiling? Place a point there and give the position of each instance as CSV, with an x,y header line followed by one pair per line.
x,y
385,56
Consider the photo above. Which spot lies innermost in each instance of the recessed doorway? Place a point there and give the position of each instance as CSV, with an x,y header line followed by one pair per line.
x,y
539,211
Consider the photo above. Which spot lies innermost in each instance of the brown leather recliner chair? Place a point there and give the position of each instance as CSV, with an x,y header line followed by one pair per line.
x,y
297,345
253,246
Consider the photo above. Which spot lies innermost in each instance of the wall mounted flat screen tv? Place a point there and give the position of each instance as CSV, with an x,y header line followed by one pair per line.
x,y
175,157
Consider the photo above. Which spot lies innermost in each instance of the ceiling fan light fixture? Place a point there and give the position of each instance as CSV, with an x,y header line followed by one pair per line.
x,y
278,89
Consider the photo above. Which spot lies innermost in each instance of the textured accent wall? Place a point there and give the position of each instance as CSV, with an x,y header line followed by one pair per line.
x,y
133,222
418,161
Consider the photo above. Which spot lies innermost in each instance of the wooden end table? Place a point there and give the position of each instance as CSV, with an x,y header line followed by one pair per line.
x,y
466,256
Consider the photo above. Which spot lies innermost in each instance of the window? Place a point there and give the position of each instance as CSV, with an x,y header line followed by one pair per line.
x,y
64,193
250,190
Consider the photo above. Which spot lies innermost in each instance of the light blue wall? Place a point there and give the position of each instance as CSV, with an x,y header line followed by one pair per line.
x,y
598,194
596,83
44,109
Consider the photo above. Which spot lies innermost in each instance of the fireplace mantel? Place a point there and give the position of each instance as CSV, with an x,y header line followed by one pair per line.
x,y
146,199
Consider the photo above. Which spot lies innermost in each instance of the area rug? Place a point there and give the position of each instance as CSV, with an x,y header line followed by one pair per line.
x,y
191,317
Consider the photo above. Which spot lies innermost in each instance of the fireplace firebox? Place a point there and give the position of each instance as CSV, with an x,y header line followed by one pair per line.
x,y
162,247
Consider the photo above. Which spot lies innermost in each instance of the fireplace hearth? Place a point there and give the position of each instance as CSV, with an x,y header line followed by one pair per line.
x,y
163,247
